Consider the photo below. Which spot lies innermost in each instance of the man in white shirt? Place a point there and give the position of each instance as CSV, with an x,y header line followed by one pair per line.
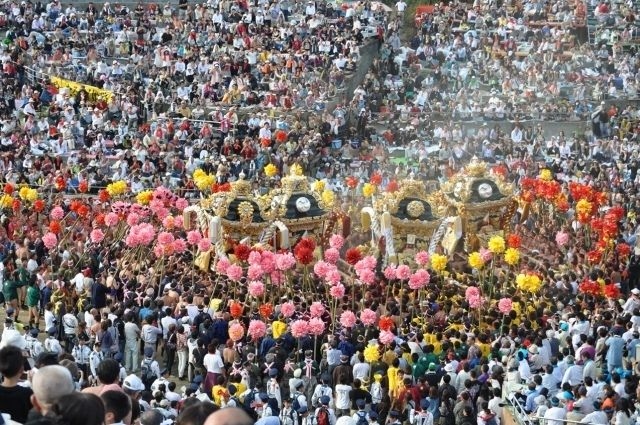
x,y
343,403
556,414
131,350
401,6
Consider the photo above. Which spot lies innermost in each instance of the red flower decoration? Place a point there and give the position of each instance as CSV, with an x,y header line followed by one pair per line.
x,y
623,249
8,188
303,254
385,323
54,227
242,251
266,310
617,212
307,243
99,219
103,195
235,309
352,256
611,291
590,287
281,136
38,205
83,186
16,205
594,256
61,183
392,186
514,241
83,211
376,179
75,204
351,182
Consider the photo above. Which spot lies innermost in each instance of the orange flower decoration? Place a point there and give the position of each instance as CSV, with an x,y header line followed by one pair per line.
x,y
16,205
611,291
236,309
83,186
8,188
385,323
55,227
38,205
266,310
514,241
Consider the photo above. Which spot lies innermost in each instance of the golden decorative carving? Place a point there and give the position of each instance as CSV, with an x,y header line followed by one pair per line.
x,y
415,209
245,211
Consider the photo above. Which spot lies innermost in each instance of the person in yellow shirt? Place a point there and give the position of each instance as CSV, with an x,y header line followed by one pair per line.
x,y
219,392
392,378
279,327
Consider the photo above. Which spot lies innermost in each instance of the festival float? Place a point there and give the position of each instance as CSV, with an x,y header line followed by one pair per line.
x,y
403,220
233,214
483,204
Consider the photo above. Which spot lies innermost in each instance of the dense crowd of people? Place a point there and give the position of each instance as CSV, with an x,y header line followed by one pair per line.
x,y
146,96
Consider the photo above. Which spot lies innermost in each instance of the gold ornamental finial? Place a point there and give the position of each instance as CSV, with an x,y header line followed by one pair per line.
x,y
476,168
241,186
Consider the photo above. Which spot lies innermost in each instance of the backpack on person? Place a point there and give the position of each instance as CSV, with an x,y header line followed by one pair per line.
x,y
148,376
362,418
322,418
296,403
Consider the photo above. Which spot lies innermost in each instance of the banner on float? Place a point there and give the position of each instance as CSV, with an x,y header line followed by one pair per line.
x,y
92,92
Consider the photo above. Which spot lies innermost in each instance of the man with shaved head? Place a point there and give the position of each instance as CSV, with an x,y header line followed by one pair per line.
x,y
49,384
229,416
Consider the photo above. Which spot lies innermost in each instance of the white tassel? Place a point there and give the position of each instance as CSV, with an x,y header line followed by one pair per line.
x,y
215,227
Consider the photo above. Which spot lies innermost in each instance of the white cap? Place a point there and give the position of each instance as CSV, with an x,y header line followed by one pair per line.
x,y
133,383
635,291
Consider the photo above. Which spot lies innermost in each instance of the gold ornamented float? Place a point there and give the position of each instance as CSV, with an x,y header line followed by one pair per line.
x,y
483,202
407,219
278,218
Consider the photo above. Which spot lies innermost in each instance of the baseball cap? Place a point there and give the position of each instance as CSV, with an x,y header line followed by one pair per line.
x,y
133,383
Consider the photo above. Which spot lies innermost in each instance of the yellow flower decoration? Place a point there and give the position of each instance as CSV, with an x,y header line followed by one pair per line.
x,y
328,197
6,201
368,190
144,197
496,244
270,170
528,282
371,354
204,182
318,186
438,262
296,170
584,207
546,175
476,261
117,188
28,194
199,173
511,256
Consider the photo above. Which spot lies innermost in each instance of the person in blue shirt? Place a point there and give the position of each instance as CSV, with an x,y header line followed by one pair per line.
x,y
616,346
